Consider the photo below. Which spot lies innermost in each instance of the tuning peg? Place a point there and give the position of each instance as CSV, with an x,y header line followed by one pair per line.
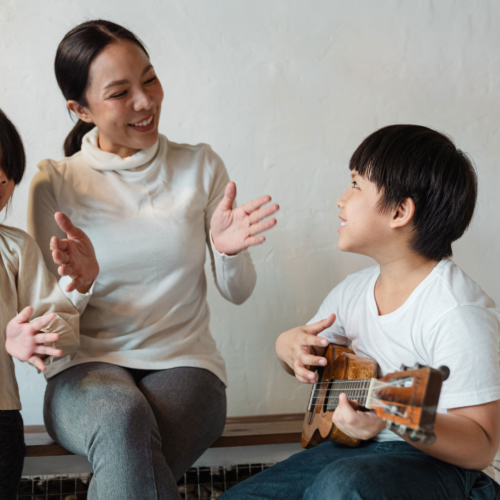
x,y
426,438
445,370
429,438
403,368
401,430
417,366
390,425
414,435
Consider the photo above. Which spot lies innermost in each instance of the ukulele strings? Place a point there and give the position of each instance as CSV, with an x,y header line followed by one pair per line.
x,y
377,384
353,389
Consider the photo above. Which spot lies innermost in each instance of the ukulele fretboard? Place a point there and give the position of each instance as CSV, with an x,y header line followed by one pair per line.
x,y
328,392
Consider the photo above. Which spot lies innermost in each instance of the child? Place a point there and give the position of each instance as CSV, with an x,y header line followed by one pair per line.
x,y
412,194
29,289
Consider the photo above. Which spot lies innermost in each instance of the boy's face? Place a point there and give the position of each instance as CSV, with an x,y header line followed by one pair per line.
x,y
6,186
362,229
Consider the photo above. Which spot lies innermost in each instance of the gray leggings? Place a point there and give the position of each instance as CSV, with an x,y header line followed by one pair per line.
x,y
140,429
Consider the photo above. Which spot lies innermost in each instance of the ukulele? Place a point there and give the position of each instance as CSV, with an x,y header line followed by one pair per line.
x,y
407,400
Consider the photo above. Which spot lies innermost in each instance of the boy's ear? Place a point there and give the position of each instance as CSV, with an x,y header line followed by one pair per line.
x,y
403,214
80,111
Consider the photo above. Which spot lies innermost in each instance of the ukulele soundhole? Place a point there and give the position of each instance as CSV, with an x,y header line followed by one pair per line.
x,y
328,395
316,393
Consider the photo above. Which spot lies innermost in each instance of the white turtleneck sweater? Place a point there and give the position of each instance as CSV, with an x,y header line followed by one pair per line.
x,y
148,217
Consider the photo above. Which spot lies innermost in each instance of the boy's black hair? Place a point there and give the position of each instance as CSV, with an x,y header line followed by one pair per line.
x,y
12,156
411,161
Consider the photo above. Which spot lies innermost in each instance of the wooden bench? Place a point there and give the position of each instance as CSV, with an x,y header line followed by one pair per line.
x,y
239,431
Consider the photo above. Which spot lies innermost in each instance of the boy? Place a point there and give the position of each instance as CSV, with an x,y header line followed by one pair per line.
x,y
412,194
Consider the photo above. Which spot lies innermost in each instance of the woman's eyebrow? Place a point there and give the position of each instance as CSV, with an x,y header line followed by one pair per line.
x,y
121,82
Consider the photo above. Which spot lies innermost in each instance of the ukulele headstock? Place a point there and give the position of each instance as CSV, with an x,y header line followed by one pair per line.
x,y
407,400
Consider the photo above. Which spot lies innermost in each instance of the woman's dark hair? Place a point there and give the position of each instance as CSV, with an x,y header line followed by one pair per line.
x,y
12,156
74,55
411,161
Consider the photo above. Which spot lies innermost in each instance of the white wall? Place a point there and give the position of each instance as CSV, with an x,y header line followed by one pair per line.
x,y
284,91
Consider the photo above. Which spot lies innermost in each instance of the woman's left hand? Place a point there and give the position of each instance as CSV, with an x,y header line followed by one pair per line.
x,y
356,423
75,255
234,230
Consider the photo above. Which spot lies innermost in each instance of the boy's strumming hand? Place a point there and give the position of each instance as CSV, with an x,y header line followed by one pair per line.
x,y
74,255
234,230
25,341
355,423
296,349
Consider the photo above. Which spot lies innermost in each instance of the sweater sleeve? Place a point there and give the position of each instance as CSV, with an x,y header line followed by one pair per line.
x,y
42,206
42,226
234,275
38,288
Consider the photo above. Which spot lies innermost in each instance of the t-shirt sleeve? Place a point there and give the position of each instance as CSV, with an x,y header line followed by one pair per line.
x,y
467,341
331,305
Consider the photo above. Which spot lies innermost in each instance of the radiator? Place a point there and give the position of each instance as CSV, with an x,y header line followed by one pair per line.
x,y
198,483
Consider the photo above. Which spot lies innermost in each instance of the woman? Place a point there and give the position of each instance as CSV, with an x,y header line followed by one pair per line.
x,y
144,396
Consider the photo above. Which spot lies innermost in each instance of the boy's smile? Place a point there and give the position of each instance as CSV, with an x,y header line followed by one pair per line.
x,y
6,187
362,227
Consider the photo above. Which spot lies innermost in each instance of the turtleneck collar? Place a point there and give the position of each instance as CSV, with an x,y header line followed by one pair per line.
x,y
101,160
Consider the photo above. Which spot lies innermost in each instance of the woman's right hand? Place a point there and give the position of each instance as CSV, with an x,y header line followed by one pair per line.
x,y
74,255
294,349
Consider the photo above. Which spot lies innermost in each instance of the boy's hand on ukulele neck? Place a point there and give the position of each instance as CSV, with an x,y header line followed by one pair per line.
x,y
354,422
25,341
297,349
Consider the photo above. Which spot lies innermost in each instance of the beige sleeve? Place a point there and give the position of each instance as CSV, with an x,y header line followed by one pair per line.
x,y
41,209
38,288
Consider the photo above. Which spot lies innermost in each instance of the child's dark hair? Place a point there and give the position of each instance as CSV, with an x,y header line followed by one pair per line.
x,y
12,156
74,55
411,161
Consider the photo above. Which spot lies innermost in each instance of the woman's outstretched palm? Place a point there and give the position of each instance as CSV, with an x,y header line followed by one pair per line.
x,y
234,230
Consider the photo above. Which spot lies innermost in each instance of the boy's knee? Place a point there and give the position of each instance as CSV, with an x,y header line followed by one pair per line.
x,y
342,481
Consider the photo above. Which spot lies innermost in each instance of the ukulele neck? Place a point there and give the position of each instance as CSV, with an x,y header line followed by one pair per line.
x,y
355,390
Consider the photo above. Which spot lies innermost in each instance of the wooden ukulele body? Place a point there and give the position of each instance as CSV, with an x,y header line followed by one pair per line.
x,y
342,364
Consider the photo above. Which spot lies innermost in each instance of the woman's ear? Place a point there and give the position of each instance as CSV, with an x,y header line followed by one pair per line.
x,y
403,214
80,111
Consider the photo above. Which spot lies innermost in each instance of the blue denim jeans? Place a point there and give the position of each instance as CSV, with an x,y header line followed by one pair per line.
x,y
373,471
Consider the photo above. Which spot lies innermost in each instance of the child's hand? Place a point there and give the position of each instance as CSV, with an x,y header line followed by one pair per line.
x,y
355,423
25,343
294,349
74,255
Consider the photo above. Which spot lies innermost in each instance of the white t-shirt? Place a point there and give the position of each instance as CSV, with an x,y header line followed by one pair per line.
x,y
447,320
148,217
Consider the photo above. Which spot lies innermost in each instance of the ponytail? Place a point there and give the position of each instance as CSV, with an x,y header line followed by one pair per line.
x,y
73,142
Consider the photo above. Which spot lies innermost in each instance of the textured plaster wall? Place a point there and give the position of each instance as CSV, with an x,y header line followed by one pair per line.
x,y
284,91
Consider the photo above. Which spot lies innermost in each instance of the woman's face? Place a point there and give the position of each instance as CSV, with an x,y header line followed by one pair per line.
x,y
124,99
6,186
